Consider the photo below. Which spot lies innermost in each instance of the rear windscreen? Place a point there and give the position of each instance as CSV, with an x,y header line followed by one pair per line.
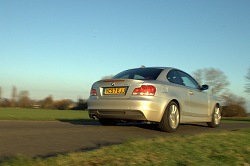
x,y
140,74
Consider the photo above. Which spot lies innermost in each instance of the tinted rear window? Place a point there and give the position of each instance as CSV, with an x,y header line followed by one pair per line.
x,y
140,74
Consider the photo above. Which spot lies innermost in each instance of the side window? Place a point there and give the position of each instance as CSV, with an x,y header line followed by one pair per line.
x,y
138,77
174,77
125,76
188,80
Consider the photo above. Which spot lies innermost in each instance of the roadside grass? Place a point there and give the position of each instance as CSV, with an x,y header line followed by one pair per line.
x,y
71,115
42,114
236,119
221,148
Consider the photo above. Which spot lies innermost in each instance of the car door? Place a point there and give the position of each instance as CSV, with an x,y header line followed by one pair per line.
x,y
178,91
198,99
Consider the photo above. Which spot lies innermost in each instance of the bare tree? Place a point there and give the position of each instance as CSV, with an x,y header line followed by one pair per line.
x,y
48,102
5,103
63,104
232,99
24,100
234,105
0,92
0,96
215,78
13,96
142,66
247,86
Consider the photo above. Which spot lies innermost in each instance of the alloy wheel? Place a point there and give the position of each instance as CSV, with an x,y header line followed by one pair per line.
x,y
174,116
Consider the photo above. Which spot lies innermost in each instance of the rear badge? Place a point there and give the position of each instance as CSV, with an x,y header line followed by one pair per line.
x,y
112,84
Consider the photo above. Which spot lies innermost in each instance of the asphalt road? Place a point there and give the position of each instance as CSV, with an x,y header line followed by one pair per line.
x,y
48,138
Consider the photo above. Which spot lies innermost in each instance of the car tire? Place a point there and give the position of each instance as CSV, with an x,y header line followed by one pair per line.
x,y
216,118
108,122
171,118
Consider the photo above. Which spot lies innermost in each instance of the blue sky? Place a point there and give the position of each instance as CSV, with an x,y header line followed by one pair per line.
x,y
60,47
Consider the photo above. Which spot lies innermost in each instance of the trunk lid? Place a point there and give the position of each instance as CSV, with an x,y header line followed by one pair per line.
x,y
116,88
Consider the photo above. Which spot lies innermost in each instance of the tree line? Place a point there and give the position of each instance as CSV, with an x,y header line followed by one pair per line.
x,y
23,100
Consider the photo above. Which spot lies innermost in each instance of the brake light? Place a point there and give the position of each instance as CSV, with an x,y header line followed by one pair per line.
x,y
145,90
93,92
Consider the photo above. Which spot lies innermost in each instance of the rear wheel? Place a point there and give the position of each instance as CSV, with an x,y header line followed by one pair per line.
x,y
171,118
216,118
108,122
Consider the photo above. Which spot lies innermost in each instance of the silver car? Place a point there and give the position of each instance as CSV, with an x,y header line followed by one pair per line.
x,y
162,95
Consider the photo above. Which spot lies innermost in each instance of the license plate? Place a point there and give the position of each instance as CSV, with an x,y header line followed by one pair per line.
x,y
114,91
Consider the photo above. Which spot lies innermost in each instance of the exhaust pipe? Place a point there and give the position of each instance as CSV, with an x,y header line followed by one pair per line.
x,y
93,117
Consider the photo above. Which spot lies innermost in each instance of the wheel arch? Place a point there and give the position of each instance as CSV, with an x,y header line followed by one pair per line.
x,y
214,106
217,104
174,100
178,104
215,118
170,120
166,106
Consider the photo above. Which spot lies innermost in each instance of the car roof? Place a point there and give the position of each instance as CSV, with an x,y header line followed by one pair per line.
x,y
154,67
165,68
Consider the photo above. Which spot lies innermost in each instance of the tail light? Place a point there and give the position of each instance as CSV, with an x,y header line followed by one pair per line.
x,y
93,92
145,90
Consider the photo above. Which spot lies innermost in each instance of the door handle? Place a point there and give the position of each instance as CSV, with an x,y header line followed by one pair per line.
x,y
191,92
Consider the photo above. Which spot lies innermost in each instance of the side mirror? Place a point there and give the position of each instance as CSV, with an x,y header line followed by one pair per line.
x,y
204,87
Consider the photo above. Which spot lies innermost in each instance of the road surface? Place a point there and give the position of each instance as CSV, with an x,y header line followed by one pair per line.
x,y
49,138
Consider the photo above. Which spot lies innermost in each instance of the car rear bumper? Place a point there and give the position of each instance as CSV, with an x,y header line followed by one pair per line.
x,y
147,108
117,114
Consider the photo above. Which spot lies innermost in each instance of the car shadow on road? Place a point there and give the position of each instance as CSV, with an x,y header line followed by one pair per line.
x,y
154,127
80,121
97,123
195,124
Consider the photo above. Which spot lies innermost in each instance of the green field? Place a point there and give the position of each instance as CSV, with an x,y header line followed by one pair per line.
x,y
42,114
224,148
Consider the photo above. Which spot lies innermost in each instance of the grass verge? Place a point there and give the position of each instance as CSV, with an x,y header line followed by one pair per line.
x,y
42,114
224,148
73,115
236,120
